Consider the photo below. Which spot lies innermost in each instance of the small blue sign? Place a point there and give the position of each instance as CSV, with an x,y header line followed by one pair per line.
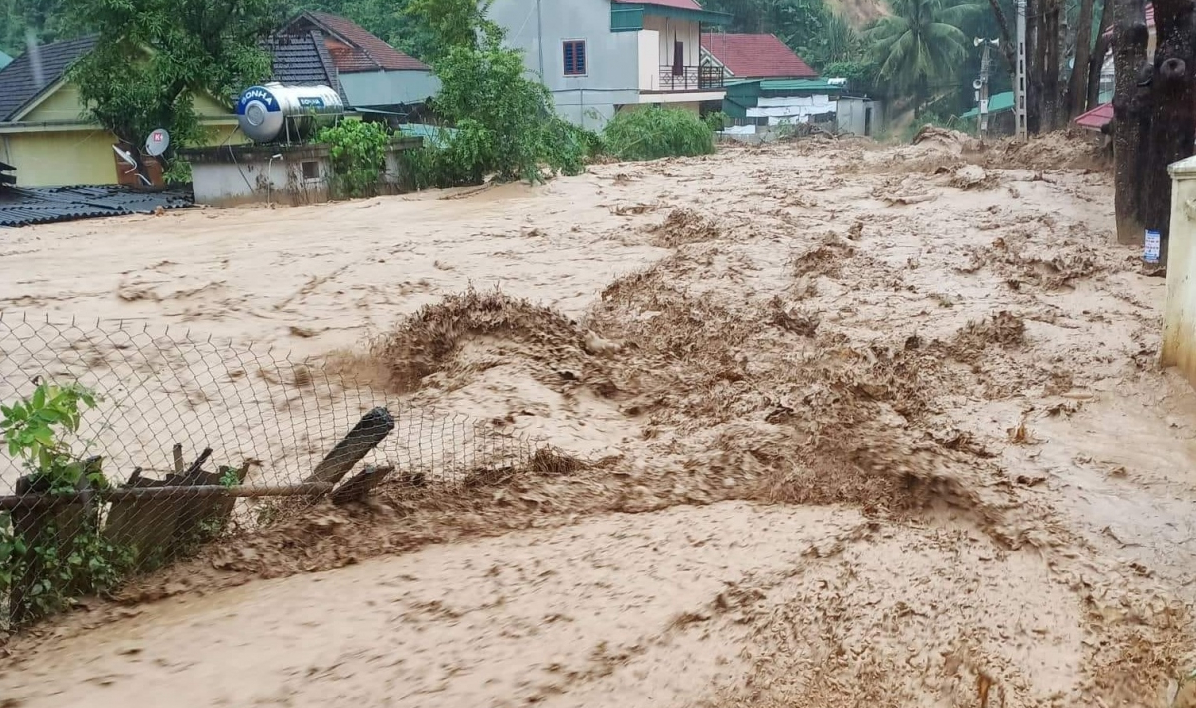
x,y
1153,247
258,94
307,102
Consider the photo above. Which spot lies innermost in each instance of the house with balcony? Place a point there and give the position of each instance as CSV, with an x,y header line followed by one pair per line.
x,y
598,57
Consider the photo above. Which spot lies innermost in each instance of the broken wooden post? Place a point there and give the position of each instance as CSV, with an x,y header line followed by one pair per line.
x,y
371,430
361,484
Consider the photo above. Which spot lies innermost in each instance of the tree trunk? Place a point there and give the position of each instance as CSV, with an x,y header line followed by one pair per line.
x,y
1051,95
1034,63
1077,85
1096,62
1172,112
1130,117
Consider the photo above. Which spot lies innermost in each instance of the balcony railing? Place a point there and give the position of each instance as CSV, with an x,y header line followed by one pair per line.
x,y
690,78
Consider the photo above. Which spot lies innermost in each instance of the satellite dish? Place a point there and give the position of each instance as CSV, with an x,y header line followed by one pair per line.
x,y
124,155
157,142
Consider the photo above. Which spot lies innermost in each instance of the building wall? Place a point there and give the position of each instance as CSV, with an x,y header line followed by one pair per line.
x,y
670,31
385,88
276,182
539,28
59,158
852,114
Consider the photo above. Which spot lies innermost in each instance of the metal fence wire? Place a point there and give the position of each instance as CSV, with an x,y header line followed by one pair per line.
x,y
189,439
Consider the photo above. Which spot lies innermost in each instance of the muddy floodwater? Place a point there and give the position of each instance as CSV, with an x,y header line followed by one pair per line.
x,y
854,425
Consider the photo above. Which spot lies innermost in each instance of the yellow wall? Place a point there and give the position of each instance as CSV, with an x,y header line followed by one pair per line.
x,y
82,154
60,158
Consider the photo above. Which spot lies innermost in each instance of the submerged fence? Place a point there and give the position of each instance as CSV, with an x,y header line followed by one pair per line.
x,y
127,447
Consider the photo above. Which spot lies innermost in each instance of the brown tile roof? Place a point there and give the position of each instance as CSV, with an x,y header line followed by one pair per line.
x,y
757,56
354,49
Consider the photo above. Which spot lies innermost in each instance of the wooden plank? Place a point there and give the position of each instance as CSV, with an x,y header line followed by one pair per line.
x,y
371,430
361,484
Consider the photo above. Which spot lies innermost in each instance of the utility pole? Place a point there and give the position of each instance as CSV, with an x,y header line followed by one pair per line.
x,y
981,84
1019,85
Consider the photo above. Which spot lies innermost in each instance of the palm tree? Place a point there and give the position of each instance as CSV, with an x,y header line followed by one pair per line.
x,y
920,47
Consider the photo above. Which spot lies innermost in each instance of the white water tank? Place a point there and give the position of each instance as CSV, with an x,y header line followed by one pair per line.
x,y
273,111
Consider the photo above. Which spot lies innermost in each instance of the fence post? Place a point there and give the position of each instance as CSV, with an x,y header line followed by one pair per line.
x,y
1179,312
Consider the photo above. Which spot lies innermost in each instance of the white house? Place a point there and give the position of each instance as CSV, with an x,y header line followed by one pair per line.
x,y
602,56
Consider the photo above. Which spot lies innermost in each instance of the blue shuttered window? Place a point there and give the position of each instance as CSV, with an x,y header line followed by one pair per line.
x,y
575,58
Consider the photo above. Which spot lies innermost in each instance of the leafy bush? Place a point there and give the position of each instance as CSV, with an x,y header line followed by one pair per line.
x,y
358,152
76,558
505,122
653,133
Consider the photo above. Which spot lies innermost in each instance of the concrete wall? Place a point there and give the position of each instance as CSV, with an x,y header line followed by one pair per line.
x,y
852,114
539,28
60,158
260,182
1179,311
384,88
670,30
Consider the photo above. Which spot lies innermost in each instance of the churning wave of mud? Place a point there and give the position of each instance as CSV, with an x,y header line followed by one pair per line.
x,y
787,354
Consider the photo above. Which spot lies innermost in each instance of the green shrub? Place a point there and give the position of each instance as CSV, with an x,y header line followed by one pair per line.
x,y
65,554
653,133
358,152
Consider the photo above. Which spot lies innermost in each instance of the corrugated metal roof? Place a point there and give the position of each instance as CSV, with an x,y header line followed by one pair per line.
x,y
996,104
21,206
1096,118
800,85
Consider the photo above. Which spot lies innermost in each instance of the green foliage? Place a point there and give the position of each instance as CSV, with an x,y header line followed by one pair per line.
x,y
31,429
80,560
452,24
179,172
504,122
155,56
358,152
919,48
653,133
716,121
85,564
46,20
230,477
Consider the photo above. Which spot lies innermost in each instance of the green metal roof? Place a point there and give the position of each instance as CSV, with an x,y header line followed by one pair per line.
x,y
629,17
5,60
996,104
796,85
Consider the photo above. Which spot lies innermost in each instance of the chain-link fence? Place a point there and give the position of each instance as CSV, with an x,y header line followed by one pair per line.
x,y
127,447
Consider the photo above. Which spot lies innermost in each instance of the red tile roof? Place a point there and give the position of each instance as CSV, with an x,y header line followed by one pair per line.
x,y
757,56
679,4
1096,118
354,49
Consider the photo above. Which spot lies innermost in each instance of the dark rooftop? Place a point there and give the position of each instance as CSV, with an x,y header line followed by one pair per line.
x,y
18,85
22,206
301,59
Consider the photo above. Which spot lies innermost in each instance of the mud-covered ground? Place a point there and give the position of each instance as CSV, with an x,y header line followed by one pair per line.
x,y
850,425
